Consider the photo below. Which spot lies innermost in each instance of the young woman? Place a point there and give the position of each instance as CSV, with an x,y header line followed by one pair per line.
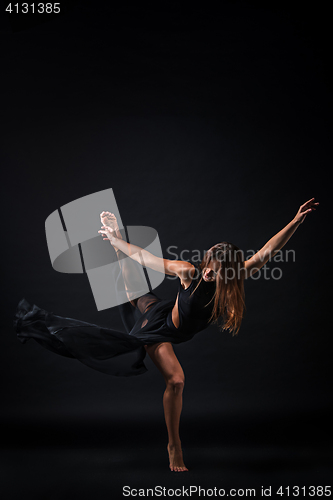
x,y
212,290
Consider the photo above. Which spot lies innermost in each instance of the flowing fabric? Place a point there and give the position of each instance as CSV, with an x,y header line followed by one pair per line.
x,y
110,351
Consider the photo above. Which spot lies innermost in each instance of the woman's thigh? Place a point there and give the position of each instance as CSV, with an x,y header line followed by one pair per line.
x,y
164,357
132,310
146,301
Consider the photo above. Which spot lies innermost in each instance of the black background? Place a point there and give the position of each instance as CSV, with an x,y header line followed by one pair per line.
x,y
209,125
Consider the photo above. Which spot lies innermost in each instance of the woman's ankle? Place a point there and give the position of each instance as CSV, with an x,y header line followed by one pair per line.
x,y
175,445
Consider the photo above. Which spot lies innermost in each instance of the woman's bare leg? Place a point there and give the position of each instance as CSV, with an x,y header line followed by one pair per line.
x,y
132,278
162,355
166,361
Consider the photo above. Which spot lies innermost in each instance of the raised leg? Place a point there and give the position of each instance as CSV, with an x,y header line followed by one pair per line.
x,y
131,276
166,361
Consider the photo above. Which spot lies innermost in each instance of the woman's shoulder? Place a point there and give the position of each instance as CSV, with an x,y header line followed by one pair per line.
x,y
190,275
195,269
191,269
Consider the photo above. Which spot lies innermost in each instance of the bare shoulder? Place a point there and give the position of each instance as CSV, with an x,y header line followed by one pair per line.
x,y
181,268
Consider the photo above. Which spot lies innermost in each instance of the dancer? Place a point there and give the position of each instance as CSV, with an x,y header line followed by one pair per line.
x,y
207,292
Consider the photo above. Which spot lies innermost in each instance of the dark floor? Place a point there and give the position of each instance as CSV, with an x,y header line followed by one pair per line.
x,y
96,460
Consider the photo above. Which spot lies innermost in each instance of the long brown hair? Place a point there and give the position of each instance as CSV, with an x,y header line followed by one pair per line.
x,y
229,294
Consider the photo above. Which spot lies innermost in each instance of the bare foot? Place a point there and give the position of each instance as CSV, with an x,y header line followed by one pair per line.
x,y
108,219
176,459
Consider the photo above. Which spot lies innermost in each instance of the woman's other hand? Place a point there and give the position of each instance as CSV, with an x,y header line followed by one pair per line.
x,y
304,210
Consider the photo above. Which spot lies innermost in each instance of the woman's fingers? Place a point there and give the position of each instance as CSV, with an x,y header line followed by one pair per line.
x,y
305,205
305,209
309,204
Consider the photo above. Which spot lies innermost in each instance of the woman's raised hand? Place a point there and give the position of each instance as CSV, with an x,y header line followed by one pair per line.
x,y
108,232
305,209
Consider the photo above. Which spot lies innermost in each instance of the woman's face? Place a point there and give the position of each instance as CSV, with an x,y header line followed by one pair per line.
x,y
209,272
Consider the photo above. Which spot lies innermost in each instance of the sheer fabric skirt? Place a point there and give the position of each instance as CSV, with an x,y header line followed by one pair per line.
x,y
147,320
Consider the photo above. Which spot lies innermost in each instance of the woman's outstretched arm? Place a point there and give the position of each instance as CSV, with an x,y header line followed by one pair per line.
x,y
180,268
279,240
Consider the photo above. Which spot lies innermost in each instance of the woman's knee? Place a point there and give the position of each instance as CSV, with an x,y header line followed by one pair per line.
x,y
176,382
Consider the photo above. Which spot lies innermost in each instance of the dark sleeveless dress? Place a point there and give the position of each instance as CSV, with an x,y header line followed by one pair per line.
x,y
111,351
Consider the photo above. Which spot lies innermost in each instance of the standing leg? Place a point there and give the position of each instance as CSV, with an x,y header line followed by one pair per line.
x,y
166,361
